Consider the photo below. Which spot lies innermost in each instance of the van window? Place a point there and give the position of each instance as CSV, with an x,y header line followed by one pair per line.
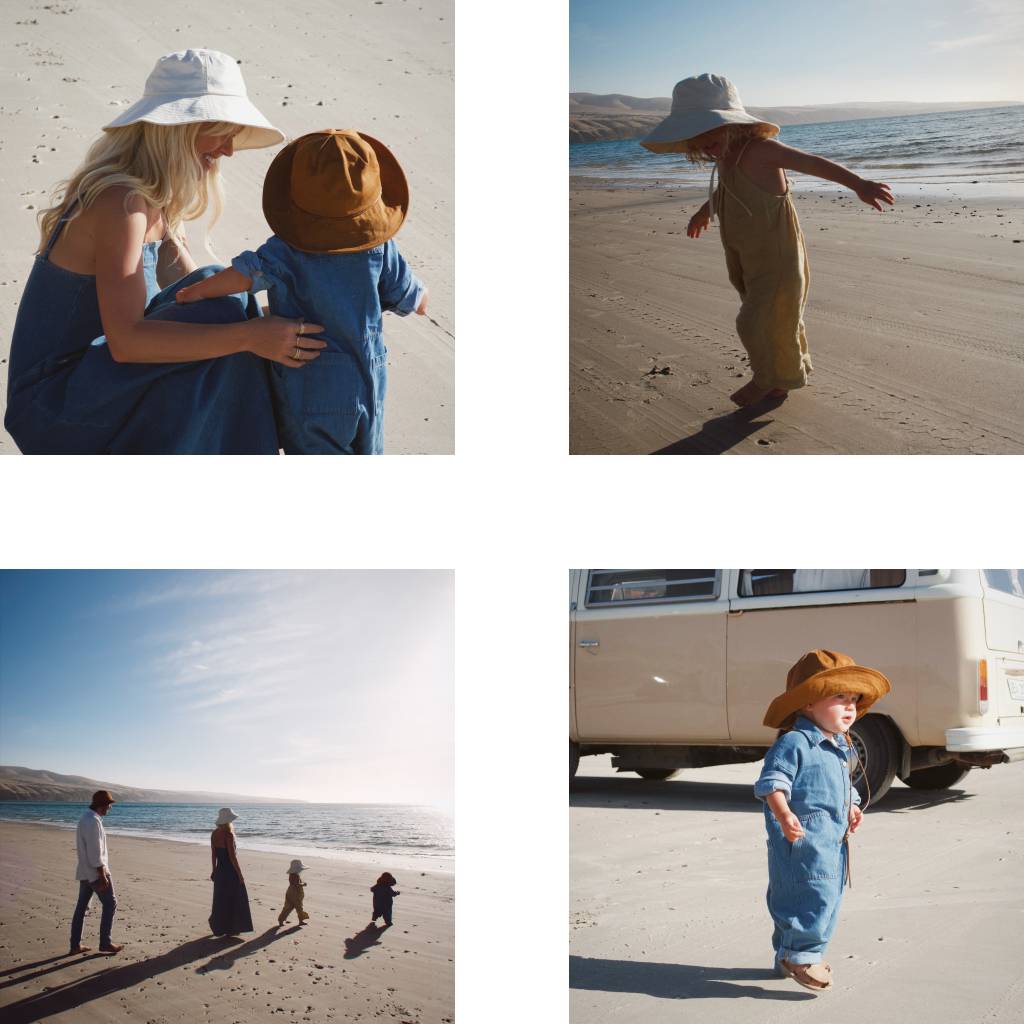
x,y
759,582
1009,581
620,586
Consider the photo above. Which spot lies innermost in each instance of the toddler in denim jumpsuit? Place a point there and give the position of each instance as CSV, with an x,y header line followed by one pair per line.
x,y
334,199
807,790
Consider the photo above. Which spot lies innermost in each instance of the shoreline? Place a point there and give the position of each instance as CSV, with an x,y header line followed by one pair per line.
x,y
433,863
173,970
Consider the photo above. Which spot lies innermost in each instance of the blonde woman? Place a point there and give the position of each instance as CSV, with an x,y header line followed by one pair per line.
x,y
230,914
103,359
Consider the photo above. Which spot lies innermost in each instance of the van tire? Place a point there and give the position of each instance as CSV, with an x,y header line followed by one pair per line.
x,y
574,759
656,774
881,751
942,776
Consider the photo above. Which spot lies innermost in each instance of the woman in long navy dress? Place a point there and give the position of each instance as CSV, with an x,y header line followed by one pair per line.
x,y
230,914
103,360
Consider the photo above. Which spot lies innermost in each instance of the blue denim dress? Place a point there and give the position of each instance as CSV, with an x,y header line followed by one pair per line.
x,y
806,878
335,405
67,396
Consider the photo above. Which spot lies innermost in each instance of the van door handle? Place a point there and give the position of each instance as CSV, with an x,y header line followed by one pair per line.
x,y
590,643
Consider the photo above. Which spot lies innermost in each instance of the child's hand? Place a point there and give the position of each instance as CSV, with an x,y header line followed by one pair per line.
x,y
698,223
855,818
791,827
225,282
190,293
871,191
421,309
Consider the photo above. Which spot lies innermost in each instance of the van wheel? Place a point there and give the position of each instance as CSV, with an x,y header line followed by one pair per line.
x,y
656,774
878,749
574,759
942,776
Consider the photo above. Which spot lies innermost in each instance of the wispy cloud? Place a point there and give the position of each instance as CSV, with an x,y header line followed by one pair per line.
x,y
1001,22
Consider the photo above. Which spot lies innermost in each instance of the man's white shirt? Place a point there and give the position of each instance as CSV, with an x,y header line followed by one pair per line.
x,y
92,847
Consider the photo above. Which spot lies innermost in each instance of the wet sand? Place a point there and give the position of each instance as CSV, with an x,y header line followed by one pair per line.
x,y
173,970
913,324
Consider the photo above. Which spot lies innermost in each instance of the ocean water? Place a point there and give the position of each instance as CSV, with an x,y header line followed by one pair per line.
x,y
404,835
949,148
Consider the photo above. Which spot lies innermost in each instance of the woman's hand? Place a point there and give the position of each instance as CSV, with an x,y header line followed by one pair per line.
x,y
698,222
855,818
871,191
277,338
791,827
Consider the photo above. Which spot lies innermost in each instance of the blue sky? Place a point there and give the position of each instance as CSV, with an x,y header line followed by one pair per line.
x,y
325,686
803,52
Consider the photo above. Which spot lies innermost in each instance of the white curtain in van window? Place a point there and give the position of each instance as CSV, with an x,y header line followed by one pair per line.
x,y
809,580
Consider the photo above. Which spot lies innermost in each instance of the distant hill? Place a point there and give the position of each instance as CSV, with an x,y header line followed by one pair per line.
x,y
597,118
34,784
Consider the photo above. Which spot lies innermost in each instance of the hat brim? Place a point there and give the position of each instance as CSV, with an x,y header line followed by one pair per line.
x,y
315,233
679,128
868,682
257,132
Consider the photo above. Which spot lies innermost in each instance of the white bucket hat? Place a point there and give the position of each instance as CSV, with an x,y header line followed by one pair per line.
x,y
296,867
225,816
200,85
699,104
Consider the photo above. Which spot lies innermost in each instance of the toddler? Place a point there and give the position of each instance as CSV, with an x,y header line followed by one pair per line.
x,y
765,253
334,200
294,896
383,898
811,806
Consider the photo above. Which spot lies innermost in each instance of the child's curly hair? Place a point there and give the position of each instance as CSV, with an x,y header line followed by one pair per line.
x,y
386,879
734,135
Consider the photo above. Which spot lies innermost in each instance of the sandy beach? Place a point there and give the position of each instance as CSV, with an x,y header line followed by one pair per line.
x,y
668,916
913,324
384,68
173,970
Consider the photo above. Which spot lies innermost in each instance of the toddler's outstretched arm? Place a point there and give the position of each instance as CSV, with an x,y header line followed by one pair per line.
x,y
779,155
226,282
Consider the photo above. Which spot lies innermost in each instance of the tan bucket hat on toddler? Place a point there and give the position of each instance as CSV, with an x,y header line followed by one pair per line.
x,y
699,104
819,674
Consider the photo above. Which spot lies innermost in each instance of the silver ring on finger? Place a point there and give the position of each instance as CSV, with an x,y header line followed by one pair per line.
x,y
297,354
302,324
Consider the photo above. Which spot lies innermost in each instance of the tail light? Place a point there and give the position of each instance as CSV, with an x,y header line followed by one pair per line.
x,y
983,686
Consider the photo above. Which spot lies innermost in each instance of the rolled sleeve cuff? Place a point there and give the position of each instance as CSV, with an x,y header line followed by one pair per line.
x,y
249,264
856,796
410,301
770,782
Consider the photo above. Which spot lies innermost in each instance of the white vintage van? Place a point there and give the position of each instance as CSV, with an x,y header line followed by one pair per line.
x,y
675,668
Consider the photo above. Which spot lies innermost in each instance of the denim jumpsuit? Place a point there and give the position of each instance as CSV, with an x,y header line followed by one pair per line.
x,y
806,877
66,395
336,404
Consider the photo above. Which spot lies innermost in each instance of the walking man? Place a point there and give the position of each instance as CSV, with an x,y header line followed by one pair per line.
x,y
93,874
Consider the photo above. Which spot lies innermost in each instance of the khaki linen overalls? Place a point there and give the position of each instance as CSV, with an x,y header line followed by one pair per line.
x,y
767,263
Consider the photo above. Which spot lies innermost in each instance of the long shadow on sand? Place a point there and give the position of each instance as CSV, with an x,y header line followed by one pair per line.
x,y
68,958
105,982
676,981
362,941
683,795
721,433
226,960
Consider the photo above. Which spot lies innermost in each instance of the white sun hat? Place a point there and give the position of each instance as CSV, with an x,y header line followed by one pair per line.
x,y
200,85
296,867
699,104
225,816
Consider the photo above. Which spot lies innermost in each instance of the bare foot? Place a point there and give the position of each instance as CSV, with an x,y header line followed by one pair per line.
x,y
79,949
748,394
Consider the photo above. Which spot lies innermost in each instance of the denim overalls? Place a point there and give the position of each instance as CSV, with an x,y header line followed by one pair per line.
x,y
335,405
66,395
806,877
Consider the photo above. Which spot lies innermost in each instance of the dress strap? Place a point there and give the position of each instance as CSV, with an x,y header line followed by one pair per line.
x,y
711,185
56,231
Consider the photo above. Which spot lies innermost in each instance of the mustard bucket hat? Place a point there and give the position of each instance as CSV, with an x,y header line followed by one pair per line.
x,y
335,191
699,104
820,674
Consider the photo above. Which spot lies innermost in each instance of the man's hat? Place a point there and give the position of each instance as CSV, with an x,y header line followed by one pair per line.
x,y
101,797
820,674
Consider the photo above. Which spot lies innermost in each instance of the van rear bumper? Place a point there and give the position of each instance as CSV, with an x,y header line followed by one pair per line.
x,y
1009,741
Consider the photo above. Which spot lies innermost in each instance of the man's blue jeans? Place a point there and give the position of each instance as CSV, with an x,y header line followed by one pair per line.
x,y
85,894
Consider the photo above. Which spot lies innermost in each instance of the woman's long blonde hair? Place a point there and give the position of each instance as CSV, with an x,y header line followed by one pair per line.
x,y
158,162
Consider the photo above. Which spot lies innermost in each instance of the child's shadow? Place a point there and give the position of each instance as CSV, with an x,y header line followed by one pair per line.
x,y
721,433
362,941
